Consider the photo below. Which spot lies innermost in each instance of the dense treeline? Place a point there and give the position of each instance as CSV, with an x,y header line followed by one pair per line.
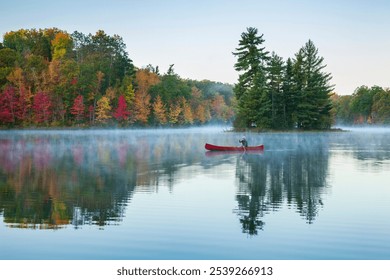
x,y
49,77
276,94
364,106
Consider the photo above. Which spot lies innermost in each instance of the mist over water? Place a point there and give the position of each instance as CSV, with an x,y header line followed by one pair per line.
x,y
158,194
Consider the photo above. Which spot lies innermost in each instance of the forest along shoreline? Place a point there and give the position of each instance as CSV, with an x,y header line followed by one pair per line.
x,y
50,78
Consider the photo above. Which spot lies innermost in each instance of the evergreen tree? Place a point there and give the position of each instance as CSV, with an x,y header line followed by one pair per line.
x,y
251,90
289,95
275,86
313,88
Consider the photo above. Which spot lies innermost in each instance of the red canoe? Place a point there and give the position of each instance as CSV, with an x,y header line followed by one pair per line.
x,y
212,147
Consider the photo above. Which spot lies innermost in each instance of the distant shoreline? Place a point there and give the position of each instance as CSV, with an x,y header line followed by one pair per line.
x,y
225,128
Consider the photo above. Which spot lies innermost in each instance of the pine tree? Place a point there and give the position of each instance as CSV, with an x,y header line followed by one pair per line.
x,y
314,105
289,95
275,86
251,90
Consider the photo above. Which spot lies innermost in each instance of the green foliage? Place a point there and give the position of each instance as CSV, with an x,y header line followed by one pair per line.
x,y
251,90
276,70
272,94
210,89
8,59
101,52
365,106
313,104
381,106
171,87
31,41
362,101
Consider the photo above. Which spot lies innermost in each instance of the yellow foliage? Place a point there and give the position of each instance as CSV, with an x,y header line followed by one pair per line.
x,y
159,111
61,43
174,112
103,110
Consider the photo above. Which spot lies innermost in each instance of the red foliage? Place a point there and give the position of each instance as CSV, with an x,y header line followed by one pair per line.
x,y
8,104
121,113
42,107
78,108
21,112
73,81
12,105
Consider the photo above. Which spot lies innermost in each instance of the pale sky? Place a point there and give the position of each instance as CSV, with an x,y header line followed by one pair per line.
x,y
200,36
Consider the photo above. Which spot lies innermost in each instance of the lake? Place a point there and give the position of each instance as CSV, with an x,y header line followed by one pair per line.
x,y
157,194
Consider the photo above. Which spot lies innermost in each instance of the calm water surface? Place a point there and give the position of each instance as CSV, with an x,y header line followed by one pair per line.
x,y
157,194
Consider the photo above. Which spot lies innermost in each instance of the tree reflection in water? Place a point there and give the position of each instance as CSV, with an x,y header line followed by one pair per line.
x,y
265,183
51,180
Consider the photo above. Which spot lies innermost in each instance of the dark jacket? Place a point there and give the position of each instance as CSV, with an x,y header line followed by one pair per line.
x,y
243,142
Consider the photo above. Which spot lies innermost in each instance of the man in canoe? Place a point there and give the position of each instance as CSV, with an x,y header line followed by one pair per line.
x,y
243,142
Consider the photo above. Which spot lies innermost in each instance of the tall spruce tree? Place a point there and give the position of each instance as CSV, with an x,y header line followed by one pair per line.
x,y
276,94
312,88
251,90
290,99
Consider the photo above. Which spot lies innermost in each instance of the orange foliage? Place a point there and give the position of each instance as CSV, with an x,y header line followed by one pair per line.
x,y
159,111
200,114
187,112
145,79
142,107
61,44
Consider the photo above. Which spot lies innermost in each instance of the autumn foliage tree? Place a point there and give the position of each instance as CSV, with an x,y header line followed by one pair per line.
x,y
187,116
159,111
219,107
7,105
103,110
142,102
174,113
142,108
202,115
121,113
61,45
78,108
42,108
